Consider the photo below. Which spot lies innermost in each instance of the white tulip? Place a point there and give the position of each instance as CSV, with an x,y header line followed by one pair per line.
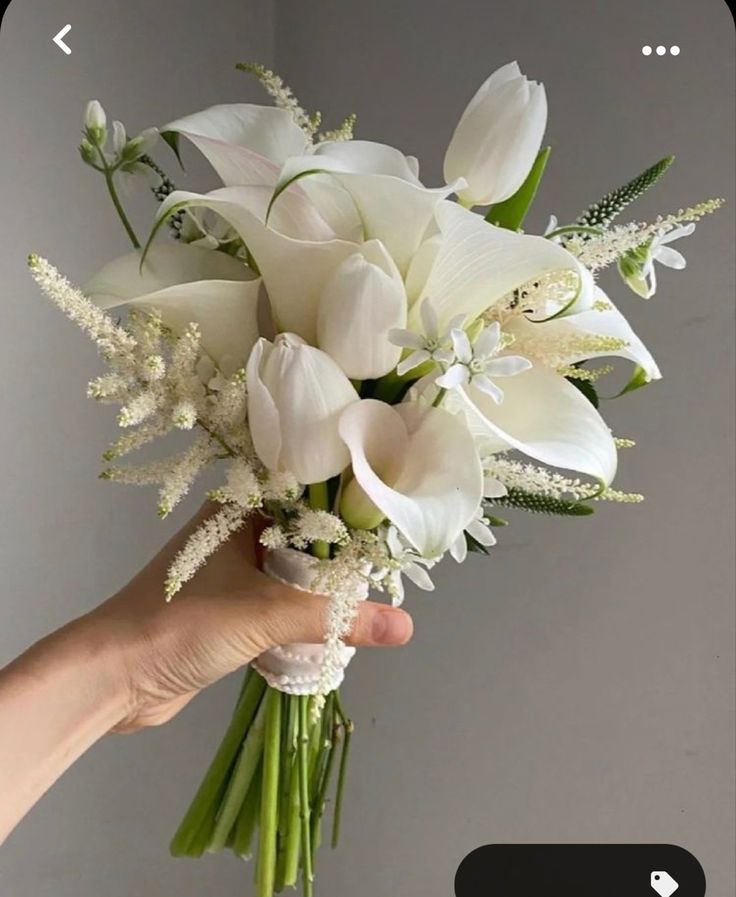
x,y
362,301
498,137
296,394
415,465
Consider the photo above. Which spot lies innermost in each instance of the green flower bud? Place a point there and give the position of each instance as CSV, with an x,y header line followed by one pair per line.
x,y
87,152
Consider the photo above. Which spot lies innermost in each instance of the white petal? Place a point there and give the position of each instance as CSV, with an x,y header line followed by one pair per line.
x,y
600,323
507,366
394,211
226,310
166,265
461,345
406,339
453,377
419,576
244,143
677,233
497,138
493,488
367,157
429,319
263,415
359,306
420,266
480,532
487,386
310,392
478,264
412,361
670,258
294,271
545,417
488,340
419,466
459,548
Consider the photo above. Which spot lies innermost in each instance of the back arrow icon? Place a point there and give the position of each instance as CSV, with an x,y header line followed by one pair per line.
x,y
58,40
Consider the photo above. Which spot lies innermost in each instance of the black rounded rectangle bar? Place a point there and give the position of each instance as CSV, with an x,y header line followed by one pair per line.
x,y
580,870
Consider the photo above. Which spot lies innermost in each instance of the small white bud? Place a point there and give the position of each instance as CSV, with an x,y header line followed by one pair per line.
x,y
119,137
95,121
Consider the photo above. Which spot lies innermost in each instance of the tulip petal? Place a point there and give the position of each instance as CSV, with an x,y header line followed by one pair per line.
x,y
543,416
245,144
294,270
263,415
225,309
360,305
419,466
477,264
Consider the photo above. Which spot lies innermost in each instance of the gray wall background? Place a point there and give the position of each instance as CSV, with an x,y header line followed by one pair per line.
x,y
577,684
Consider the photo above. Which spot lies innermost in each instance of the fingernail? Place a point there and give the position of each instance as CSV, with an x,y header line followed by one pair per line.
x,y
391,627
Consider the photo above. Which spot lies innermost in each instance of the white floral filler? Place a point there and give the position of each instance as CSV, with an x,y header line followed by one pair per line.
x,y
420,366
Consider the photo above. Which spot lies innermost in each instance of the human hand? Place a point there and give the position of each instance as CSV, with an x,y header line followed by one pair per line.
x,y
231,612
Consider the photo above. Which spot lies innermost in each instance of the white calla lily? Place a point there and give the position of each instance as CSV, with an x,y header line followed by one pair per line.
x,y
604,320
543,416
296,394
294,270
417,465
361,302
478,264
186,285
498,137
245,144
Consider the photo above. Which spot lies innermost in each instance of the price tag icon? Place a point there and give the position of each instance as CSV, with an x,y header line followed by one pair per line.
x,y
663,883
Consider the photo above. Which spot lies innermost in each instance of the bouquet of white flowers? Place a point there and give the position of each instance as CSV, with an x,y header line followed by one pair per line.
x,y
380,371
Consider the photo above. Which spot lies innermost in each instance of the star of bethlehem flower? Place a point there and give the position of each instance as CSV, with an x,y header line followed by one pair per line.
x,y
432,345
408,563
478,529
637,266
477,362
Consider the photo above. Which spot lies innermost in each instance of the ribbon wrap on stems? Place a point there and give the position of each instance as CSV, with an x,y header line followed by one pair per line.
x,y
299,669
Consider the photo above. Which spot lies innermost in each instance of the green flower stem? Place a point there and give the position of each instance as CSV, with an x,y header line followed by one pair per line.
x,y
319,499
304,814
288,753
293,830
348,728
188,839
329,753
266,869
237,789
245,825
439,397
109,180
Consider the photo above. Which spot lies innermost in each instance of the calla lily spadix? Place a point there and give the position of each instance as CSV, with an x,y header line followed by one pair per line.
x,y
498,137
414,464
186,285
361,302
296,394
543,416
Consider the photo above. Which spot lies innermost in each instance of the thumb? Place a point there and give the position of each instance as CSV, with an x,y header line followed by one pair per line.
x,y
295,616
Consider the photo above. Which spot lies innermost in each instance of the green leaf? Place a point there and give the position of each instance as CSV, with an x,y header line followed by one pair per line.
x,y
538,503
512,211
638,379
603,212
587,389
172,138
